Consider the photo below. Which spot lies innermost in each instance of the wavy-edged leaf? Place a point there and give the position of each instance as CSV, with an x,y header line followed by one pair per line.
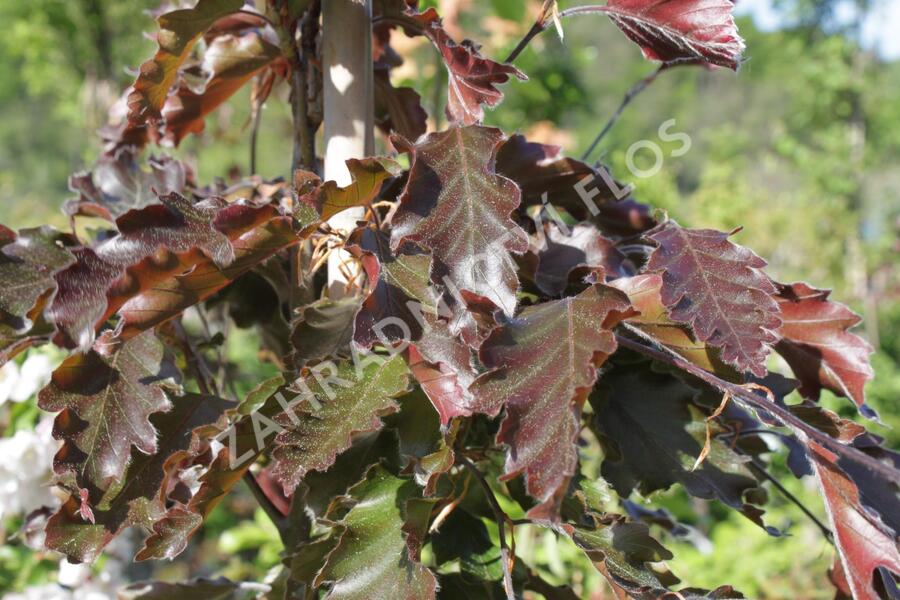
x,y
586,193
442,364
155,242
398,110
653,320
400,290
229,62
350,401
29,262
653,435
674,31
324,329
179,30
863,541
817,343
457,206
376,557
118,183
106,397
243,441
328,199
543,365
720,290
138,499
169,296
580,248
472,79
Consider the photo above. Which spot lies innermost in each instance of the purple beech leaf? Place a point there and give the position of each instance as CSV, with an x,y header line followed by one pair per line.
x,y
400,290
106,397
653,320
179,30
442,364
676,31
585,192
314,436
719,289
455,205
817,343
543,365
324,329
118,183
653,434
580,248
28,263
400,109
864,543
377,555
138,499
472,79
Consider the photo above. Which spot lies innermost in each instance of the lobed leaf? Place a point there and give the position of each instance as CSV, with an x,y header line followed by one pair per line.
x,y
106,398
472,79
543,365
720,290
349,401
817,343
179,31
456,205
675,31
376,557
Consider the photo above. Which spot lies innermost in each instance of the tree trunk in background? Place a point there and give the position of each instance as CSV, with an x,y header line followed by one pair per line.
x,y
348,90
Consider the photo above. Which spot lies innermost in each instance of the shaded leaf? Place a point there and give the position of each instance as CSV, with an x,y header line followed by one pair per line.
x,y
566,251
586,193
720,290
349,401
106,397
400,109
818,345
543,365
324,329
456,205
464,538
674,31
198,589
653,435
375,557
118,183
400,290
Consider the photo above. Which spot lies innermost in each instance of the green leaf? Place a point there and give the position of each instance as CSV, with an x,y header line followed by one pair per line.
x,y
375,557
349,401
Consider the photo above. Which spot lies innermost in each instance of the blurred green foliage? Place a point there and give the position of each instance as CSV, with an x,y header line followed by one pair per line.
x,y
801,148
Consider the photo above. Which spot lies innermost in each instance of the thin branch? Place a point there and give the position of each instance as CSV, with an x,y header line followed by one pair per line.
x,y
254,134
536,29
757,467
502,519
276,516
632,92
744,395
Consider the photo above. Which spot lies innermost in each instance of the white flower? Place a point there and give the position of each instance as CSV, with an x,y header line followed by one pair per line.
x,y
21,383
25,471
